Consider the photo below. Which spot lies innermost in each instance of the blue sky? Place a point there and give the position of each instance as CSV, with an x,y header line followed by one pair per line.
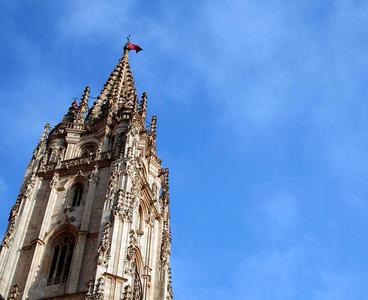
x,y
262,119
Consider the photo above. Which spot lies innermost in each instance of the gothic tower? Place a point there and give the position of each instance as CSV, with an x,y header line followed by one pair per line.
x,y
92,218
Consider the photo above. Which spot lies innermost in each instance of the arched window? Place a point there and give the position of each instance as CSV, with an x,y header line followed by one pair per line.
x,y
63,248
77,194
88,150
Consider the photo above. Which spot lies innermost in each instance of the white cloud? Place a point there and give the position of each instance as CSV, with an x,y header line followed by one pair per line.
x,y
94,19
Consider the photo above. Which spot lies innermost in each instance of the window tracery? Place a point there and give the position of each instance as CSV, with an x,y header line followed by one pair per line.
x,y
63,248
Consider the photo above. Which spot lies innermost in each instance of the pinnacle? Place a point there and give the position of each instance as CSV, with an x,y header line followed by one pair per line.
x,y
118,93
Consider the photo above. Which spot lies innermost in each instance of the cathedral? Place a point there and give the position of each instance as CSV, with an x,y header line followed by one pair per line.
x,y
92,219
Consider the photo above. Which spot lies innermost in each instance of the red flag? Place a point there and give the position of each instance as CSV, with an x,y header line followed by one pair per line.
x,y
134,47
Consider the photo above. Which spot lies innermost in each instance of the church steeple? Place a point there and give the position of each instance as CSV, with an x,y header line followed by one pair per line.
x,y
92,220
118,94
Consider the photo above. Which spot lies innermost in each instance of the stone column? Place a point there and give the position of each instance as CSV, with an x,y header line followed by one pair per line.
x,y
81,243
147,269
11,256
39,245
155,260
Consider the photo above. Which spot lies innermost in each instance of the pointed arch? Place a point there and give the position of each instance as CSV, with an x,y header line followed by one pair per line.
x,y
77,178
139,260
58,256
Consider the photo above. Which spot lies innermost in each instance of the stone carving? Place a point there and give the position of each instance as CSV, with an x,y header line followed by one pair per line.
x,y
43,162
150,217
169,284
93,177
124,206
99,289
54,180
165,196
137,288
104,248
29,186
154,191
89,295
96,292
127,293
83,106
60,158
67,164
72,114
136,293
11,226
130,265
166,246
15,210
111,190
14,293
119,204
39,154
99,150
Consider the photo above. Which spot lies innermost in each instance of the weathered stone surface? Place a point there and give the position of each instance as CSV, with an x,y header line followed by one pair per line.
x,y
90,221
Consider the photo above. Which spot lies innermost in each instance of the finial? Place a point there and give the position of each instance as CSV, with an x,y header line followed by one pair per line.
x,y
153,131
72,114
42,144
83,104
153,125
86,93
45,131
130,46
127,43
143,108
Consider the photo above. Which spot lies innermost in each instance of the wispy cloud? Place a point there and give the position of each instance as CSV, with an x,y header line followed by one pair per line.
x,y
95,19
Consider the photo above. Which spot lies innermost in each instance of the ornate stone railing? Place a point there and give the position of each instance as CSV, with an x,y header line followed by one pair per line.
x,y
66,164
50,167
84,160
70,125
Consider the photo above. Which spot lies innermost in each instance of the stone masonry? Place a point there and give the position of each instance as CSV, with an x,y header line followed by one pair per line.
x,y
92,219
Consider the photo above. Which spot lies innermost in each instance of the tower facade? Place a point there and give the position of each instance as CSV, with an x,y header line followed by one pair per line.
x,y
92,218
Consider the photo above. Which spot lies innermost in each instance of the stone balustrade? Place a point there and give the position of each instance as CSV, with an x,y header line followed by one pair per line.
x,y
84,160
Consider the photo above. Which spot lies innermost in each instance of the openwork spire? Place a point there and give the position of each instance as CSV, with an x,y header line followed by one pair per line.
x,y
118,93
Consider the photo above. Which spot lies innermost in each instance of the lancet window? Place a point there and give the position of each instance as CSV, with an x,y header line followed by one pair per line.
x,y
77,193
63,248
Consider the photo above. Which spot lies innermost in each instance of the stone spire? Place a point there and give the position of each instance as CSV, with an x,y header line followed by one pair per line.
x,y
118,93
83,105
40,149
72,114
